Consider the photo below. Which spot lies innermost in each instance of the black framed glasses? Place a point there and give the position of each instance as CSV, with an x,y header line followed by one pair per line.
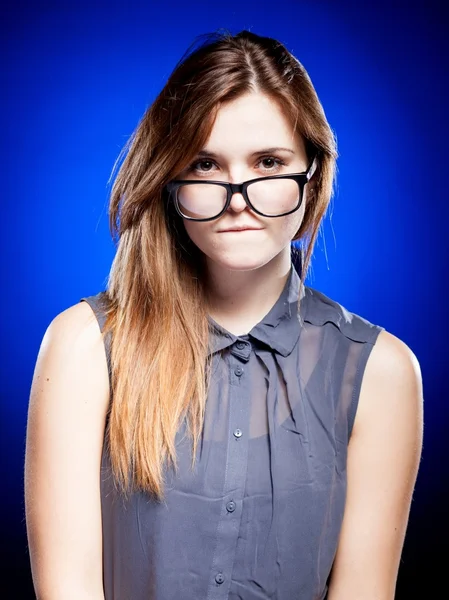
x,y
270,196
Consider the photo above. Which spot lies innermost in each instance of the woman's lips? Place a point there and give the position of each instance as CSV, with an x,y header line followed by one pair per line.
x,y
240,230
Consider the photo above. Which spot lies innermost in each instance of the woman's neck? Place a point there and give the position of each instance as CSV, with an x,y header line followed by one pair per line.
x,y
238,300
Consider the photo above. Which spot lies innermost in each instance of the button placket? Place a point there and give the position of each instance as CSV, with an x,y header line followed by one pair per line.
x,y
236,372
228,526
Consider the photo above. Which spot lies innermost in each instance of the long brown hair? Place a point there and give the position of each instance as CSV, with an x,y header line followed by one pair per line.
x,y
156,310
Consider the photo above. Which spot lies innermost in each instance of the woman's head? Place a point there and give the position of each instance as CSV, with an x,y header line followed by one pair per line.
x,y
234,95
251,139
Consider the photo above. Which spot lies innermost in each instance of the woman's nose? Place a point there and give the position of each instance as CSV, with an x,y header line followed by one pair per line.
x,y
238,203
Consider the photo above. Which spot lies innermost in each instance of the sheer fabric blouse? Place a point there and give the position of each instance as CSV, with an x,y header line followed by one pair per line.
x,y
260,515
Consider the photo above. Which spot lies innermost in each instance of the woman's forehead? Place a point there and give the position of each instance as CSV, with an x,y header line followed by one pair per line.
x,y
252,123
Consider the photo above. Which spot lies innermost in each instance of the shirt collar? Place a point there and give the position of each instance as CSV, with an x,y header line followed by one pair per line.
x,y
280,328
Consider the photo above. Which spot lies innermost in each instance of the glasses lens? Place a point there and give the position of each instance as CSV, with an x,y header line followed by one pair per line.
x,y
274,196
201,201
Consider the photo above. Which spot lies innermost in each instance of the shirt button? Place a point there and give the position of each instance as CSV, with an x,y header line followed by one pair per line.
x,y
238,371
240,345
219,578
230,506
238,433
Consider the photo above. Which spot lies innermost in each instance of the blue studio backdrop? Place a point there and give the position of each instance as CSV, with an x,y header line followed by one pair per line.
x,y
77,77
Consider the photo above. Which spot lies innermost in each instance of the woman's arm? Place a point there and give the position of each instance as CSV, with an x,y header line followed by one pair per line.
x,y
384,453
66,419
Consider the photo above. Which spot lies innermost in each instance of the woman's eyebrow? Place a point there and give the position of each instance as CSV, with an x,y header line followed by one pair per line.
x,y
209,153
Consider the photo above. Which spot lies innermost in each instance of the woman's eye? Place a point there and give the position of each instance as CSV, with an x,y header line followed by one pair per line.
x,y
271,162
201,165
268,163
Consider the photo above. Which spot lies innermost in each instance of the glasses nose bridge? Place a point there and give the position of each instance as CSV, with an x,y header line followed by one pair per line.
x,y
237,188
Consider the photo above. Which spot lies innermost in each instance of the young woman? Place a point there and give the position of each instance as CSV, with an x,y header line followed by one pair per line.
x,y
209,427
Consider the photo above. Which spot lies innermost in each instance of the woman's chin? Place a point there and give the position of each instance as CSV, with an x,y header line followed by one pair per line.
x,y
239,263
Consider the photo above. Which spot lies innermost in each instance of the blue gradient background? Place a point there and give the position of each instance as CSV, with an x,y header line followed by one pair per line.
x,y
76,78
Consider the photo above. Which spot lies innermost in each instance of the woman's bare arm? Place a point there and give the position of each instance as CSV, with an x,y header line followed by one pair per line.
x,y
66,418
384,454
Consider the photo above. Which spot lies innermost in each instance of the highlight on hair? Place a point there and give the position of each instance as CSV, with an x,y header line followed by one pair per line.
x,y
155,299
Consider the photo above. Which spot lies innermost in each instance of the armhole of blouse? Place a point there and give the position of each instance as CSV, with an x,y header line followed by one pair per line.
x,y
96,306
363,359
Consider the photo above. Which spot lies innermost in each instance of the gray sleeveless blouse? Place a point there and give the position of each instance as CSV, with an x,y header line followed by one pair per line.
x,y
260,515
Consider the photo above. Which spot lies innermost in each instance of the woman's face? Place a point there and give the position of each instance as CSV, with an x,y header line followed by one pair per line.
x,y
251,138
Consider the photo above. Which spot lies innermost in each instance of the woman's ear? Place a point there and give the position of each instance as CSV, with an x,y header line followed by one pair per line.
x,y
310,191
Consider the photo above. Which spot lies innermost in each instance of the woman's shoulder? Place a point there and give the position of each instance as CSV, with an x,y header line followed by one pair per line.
x,y
75,332
320,309
391,361
77,320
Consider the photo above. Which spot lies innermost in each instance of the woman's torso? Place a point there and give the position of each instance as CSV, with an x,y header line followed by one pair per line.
x,y
260,515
